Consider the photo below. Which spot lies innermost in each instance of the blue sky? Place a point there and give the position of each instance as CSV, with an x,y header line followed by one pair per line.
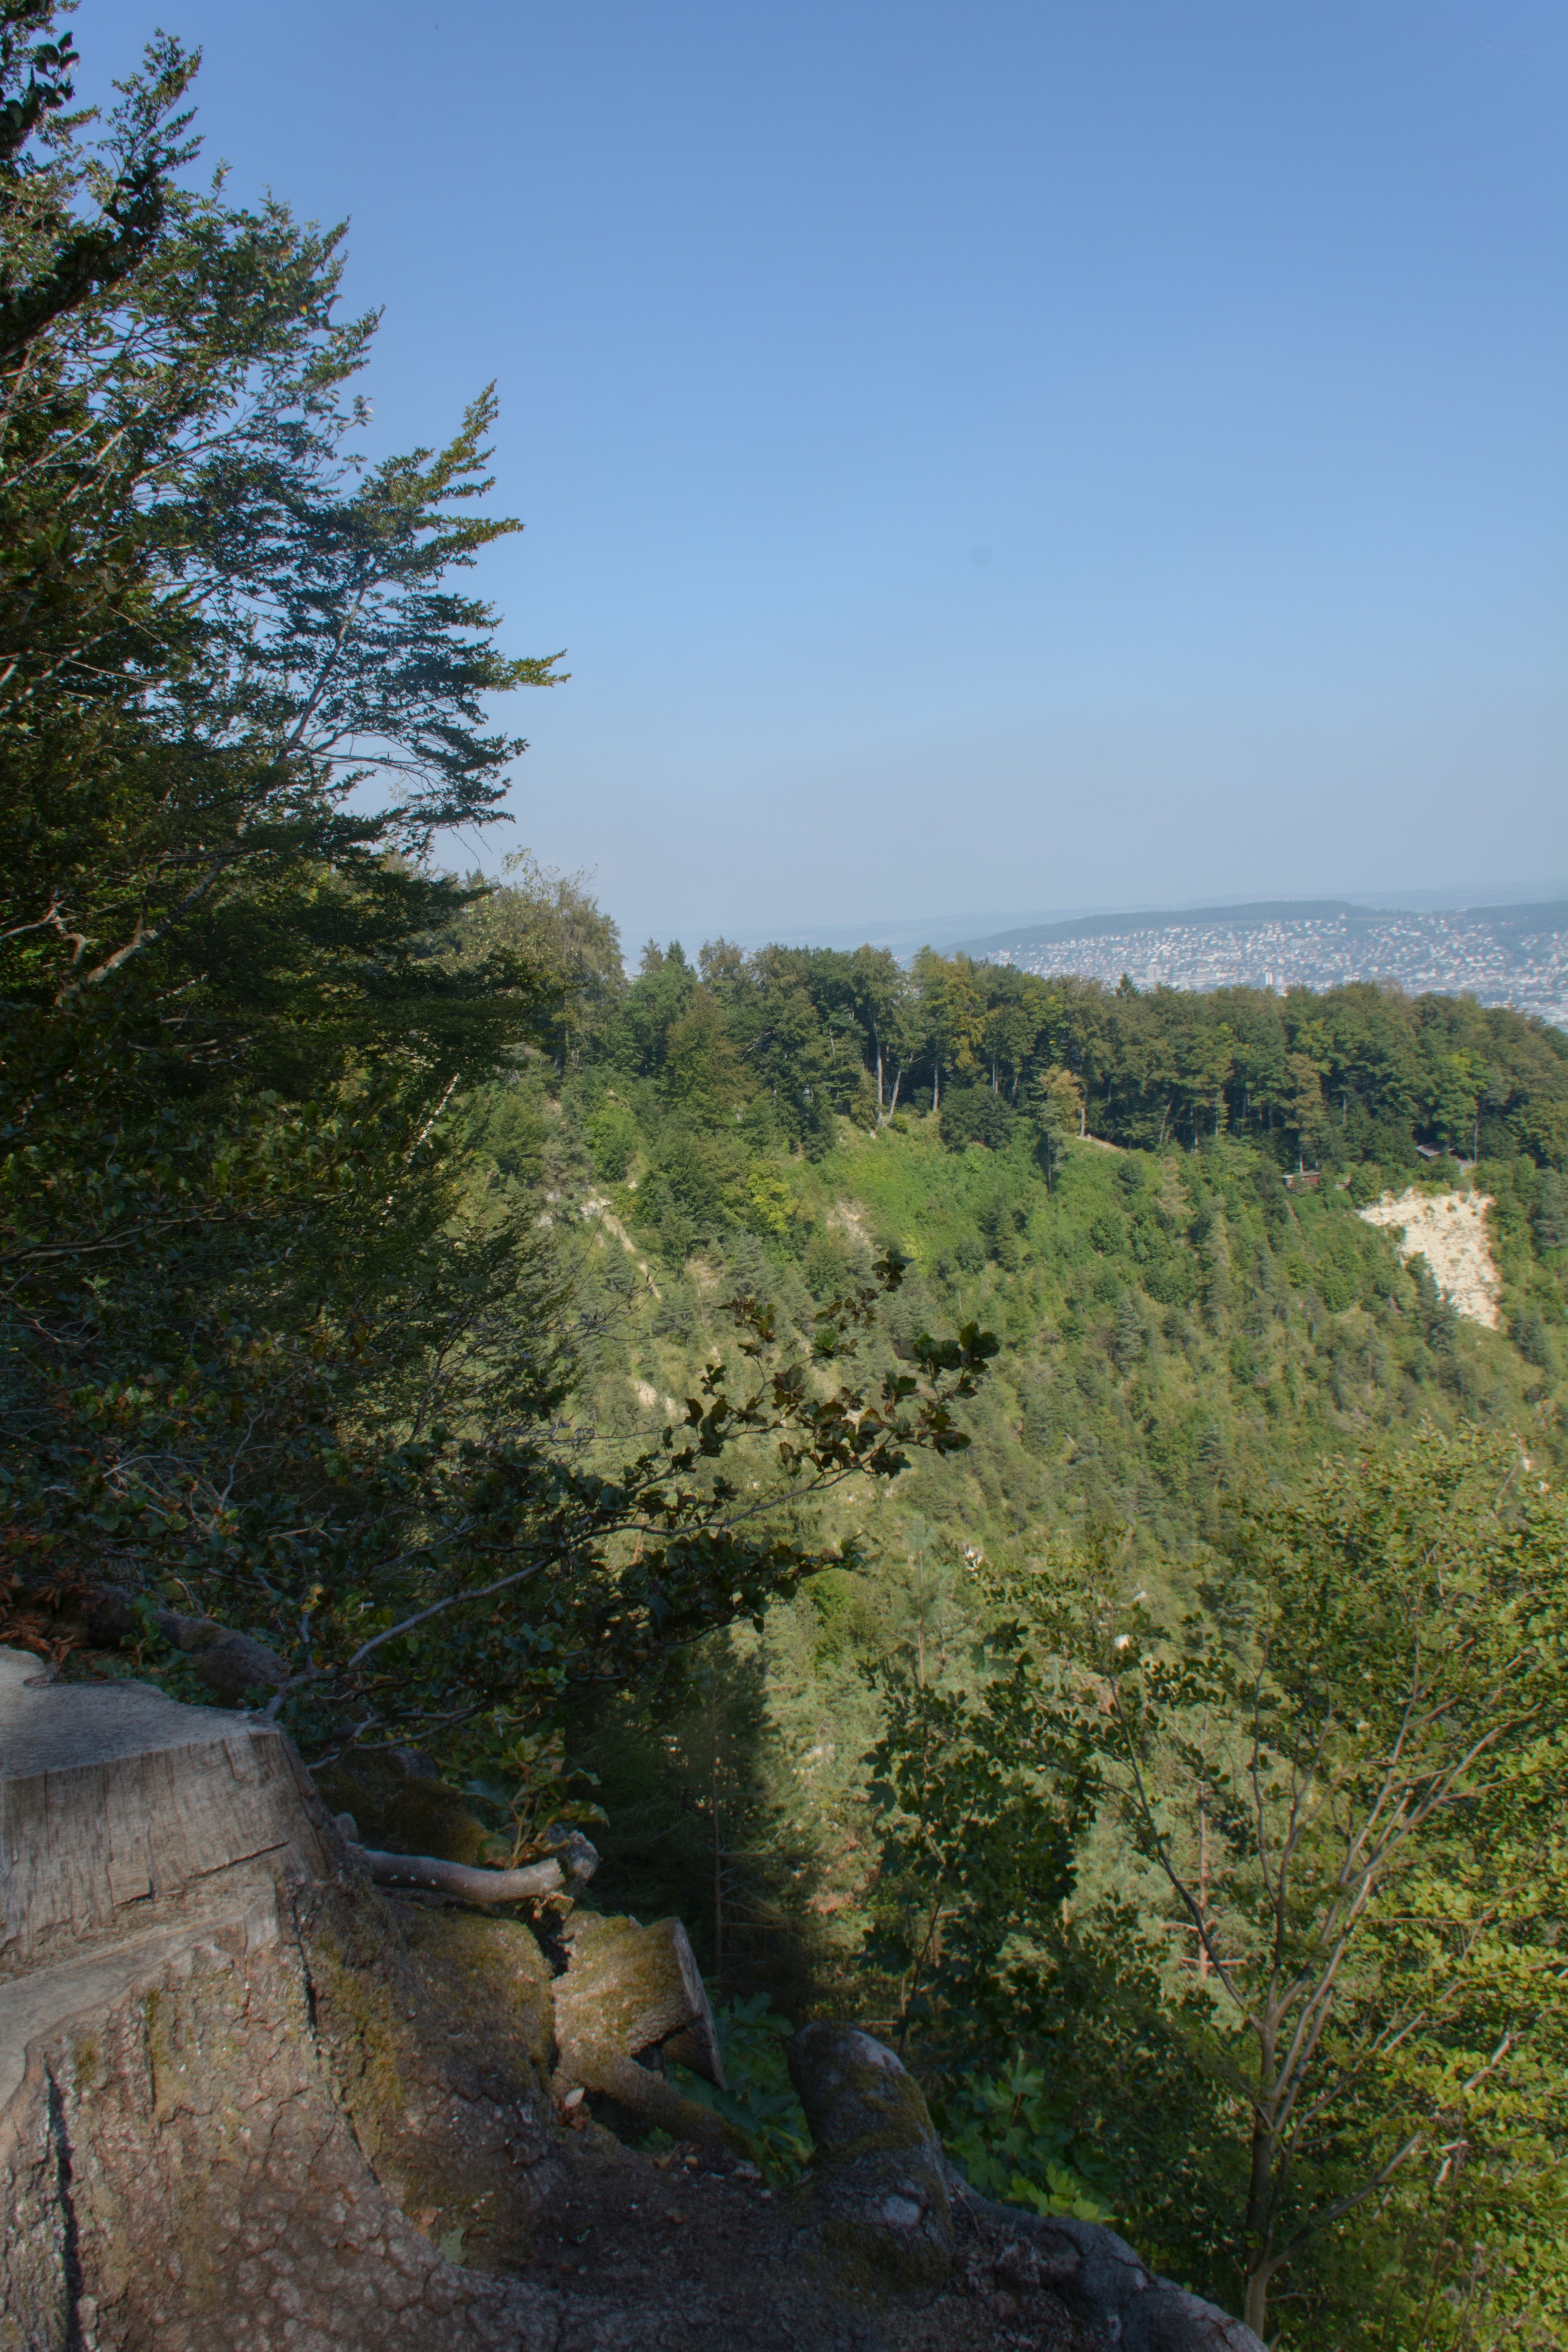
x,y
1015,456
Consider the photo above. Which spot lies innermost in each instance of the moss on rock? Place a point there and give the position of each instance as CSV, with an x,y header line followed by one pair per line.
x,y
878,2182
436,2028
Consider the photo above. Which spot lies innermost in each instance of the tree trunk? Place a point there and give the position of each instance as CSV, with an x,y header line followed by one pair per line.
x,y
1260,2206
1255,2309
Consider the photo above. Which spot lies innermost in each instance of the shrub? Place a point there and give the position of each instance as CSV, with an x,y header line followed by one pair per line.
x,y
976,1115
612,1139
1011,2142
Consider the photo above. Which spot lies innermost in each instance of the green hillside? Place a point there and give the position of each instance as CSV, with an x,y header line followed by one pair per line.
x,y
1192,1321
1180,1327
1178,1316
931,1461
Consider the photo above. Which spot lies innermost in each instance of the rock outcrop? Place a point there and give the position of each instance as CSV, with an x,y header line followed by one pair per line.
x,y
885,2197
879,2191
1449,1231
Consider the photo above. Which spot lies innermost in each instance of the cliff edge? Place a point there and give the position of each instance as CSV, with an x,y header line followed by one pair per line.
x,y
249,2101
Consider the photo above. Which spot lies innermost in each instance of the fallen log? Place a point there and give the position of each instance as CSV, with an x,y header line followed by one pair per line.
x,y
628,1989
570,1863
630,1992
657,2103
427,1871
231,1664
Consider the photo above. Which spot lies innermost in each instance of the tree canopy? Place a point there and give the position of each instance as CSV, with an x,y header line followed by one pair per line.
x,y
272,1352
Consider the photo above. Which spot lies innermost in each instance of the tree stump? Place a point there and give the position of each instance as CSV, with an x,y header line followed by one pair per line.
x,y
207,2017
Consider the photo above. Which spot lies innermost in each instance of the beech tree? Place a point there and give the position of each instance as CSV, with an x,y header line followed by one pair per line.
x,y
1348,1775
271,1355
1354,1793
211,603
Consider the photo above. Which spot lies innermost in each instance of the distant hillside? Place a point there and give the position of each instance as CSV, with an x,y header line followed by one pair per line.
x,y
1514,955
1088,927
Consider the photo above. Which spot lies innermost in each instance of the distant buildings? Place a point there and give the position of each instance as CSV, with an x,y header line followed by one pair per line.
x,y
1502,955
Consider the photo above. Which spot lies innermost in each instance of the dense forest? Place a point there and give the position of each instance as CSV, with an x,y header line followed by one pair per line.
x,y
932,1463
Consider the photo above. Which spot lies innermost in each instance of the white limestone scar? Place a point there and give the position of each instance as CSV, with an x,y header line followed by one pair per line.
x,y
1449,1231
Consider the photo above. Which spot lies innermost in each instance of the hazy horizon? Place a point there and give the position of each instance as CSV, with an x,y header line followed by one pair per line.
x,y
1116,448
904,933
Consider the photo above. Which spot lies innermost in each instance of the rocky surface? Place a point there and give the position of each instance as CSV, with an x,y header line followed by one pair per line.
x,y
889,2209
1449,1231
249,2101
881,2198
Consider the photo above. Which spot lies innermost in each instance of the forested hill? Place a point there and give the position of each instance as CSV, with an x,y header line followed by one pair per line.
x,y
872,1795
1109,1180
1026,1562
1335,1079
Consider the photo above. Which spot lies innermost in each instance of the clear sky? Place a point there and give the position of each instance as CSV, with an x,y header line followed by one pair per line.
x,y
1028,455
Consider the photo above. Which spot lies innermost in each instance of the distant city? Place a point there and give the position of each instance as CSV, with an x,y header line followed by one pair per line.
x,y
1514,955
